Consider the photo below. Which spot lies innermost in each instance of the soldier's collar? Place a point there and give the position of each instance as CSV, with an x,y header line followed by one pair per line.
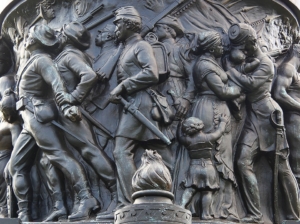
x,y
132,39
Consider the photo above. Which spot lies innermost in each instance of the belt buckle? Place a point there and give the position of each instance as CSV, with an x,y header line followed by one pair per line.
x,y
20,105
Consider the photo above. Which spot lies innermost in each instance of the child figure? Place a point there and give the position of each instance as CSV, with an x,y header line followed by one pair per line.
x,y
236,59
202,174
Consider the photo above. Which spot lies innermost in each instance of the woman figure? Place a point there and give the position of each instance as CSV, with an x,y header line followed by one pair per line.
x,y
212,92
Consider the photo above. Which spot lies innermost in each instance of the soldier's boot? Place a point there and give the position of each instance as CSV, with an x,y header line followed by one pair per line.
x,y
3,212
24,211
87,204
59,212
109,213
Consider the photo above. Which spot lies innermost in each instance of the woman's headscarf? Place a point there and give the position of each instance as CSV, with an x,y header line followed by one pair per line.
x,y
206,40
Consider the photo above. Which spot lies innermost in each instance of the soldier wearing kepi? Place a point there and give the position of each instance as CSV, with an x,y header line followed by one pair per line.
x,y
37,80
79,78
137,71
258,134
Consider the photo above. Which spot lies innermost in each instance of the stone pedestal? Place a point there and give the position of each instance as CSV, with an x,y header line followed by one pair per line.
x,y
153,206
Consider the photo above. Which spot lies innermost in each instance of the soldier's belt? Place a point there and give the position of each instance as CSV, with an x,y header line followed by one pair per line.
x,y
21,104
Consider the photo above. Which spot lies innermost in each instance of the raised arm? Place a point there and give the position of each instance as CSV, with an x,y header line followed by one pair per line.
x,y
281,84
220,130
262,74
180,136
85,73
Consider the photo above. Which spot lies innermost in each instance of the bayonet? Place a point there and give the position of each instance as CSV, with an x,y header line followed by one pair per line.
x,y
131,108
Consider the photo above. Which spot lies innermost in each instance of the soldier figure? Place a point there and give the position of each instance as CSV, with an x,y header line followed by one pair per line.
x,y
79,78
137,71
258,134
180,80
38,111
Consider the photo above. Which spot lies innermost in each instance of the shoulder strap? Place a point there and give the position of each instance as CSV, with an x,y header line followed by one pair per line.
x,y
28,63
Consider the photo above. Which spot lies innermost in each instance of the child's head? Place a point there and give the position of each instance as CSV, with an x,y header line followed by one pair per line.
x,y
192,125
237,56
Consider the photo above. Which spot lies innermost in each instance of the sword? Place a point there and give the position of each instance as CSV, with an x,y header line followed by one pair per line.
x,y
139,116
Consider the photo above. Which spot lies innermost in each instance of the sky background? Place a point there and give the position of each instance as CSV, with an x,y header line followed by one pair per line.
x,y
3,3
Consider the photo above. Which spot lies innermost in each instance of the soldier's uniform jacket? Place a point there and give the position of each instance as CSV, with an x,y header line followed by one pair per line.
x,y
260,105
37,83
137,70
38,76
75,69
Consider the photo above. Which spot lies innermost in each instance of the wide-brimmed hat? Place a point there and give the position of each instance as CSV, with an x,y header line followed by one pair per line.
x,y
172,22
128,12
45,35
240,32
78,34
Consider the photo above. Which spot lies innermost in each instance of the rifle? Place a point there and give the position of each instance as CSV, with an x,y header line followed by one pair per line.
x,y
139,116
278,123
90,15
101,20
150,25
96,123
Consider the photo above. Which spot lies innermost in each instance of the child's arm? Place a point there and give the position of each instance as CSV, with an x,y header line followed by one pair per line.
x,y
249,67
180,136
220,130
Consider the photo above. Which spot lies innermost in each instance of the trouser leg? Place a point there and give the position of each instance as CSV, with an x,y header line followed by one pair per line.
x,y
3,161
249,183
123,154
50,140
292,125
22,159
89,150
288,183
54,178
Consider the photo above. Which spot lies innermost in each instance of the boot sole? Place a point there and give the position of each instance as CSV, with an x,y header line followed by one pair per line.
x,y
79,219
85,217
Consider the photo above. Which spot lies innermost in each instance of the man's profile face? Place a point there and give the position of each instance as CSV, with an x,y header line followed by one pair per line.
x,y
160,31
50,13
30,40
79,7
102,37
121,30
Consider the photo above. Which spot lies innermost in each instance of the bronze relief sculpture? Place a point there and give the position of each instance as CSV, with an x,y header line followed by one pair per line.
x,y
88,88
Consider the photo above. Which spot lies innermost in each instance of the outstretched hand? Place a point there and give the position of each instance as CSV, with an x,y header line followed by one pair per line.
x,y
223,118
